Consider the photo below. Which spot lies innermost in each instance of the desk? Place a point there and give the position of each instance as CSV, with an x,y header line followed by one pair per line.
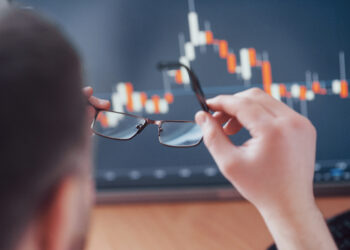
x,y
186,226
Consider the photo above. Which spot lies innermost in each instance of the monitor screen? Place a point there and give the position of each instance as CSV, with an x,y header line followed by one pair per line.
x,y
297,51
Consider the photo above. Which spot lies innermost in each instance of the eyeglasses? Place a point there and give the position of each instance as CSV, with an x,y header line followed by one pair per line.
x,y
123,126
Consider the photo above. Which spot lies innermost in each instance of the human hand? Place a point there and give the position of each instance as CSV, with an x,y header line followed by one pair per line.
x,y
273,168
95,103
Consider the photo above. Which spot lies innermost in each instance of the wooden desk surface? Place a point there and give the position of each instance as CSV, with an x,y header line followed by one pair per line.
x,y
198,225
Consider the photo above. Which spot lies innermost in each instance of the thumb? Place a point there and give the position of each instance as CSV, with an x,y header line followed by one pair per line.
x,y
215,139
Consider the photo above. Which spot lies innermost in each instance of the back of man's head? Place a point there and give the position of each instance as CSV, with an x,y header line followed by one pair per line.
x,y
42,115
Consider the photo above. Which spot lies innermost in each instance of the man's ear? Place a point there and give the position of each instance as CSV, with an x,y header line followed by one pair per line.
x,y
59,220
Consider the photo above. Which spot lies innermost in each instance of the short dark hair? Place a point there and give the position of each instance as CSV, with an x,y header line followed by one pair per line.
x,y
42,112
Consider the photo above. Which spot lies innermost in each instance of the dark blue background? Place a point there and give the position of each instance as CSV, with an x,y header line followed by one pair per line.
x,y
122,40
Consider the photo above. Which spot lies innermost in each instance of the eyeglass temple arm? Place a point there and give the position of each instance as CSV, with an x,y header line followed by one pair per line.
x,y
196,87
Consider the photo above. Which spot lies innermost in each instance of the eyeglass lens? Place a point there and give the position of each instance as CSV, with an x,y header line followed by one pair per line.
x,y
180,134
117,125
122,126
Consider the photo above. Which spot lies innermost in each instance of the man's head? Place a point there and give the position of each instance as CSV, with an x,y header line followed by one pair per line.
x,y
44,169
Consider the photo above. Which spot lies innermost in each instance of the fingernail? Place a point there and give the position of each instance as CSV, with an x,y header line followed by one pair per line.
x,y
210,100
88,88
201,118
103,102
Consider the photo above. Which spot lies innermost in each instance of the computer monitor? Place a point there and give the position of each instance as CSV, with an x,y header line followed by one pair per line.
x,y
297,51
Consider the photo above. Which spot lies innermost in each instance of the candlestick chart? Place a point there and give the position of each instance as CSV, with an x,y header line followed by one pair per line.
x,y
296,51
126,98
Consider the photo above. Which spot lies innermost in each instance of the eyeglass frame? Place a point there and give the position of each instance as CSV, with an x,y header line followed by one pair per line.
x,y
196,87
148,121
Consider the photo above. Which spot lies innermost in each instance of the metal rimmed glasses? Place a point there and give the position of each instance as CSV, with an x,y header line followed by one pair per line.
x,y
172,133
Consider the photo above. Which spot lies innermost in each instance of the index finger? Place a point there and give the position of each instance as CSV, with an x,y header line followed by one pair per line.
x,y
268,102
250,114
88,91
99,103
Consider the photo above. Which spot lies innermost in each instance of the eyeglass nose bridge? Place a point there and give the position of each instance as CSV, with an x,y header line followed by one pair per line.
x,y
155,122
158,123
